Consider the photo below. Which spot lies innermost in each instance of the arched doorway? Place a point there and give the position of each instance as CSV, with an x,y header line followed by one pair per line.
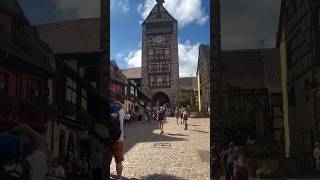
x,y
160,99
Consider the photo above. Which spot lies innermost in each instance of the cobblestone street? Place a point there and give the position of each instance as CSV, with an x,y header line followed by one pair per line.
x,y
176,154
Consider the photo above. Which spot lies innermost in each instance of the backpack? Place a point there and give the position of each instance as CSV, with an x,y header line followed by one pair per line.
x,y
25,175
115,130
185,116
161,115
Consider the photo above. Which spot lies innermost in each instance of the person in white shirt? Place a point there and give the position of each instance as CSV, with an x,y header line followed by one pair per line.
x,y
116,149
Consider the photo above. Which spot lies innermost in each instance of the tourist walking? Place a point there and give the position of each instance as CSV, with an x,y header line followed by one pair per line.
x,y
177,115
148,116
181,115
96,164
161,118
228,161
116,147
185,117
240,168
215,163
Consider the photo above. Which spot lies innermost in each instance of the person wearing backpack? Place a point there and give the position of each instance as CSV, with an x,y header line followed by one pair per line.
x,y
12,164
185,116
161,117
117,138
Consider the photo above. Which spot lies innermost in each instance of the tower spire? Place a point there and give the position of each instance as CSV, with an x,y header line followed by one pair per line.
x,y
160,2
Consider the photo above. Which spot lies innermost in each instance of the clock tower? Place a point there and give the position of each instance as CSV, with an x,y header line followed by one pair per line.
x,y
160,62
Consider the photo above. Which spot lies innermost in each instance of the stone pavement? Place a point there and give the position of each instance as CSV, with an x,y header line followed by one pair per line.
x,y
177,154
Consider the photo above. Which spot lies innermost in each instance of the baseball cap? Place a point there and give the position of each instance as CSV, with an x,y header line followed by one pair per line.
x,y
10,147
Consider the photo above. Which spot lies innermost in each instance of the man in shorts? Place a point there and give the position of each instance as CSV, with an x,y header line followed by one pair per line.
x,y
116,149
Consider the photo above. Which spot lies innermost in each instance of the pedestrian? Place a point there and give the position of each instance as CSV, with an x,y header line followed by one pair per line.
x,y
12,163
228,161
116,148
161,118
177,115
215,163
181,115
185,117
240,168
316,155
96,164
148,116
140,114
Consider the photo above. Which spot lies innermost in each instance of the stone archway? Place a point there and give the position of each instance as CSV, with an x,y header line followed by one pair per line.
x,y
160,99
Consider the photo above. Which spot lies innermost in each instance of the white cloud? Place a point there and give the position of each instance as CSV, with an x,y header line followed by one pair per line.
x,y
78,8
188,59
120,55
120,4
133,58
140,6
185,11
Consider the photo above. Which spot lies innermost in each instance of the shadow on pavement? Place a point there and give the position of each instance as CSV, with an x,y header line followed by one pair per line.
x,y
199,131
138,132
193,125
178,134
162,176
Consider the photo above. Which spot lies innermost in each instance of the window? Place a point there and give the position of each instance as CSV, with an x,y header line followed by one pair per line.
x,y
153,67
34,87
160,81
165,67
4,81
71,90
131,90
167,51
84,99
150,52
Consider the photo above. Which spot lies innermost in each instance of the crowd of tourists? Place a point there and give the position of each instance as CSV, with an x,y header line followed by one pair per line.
x,y
73,168
32,163
231,162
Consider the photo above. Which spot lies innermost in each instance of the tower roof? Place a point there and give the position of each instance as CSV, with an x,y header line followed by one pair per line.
x,y
156,10
160,2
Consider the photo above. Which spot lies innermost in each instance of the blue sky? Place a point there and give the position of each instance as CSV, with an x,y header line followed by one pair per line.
x,y
125,31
